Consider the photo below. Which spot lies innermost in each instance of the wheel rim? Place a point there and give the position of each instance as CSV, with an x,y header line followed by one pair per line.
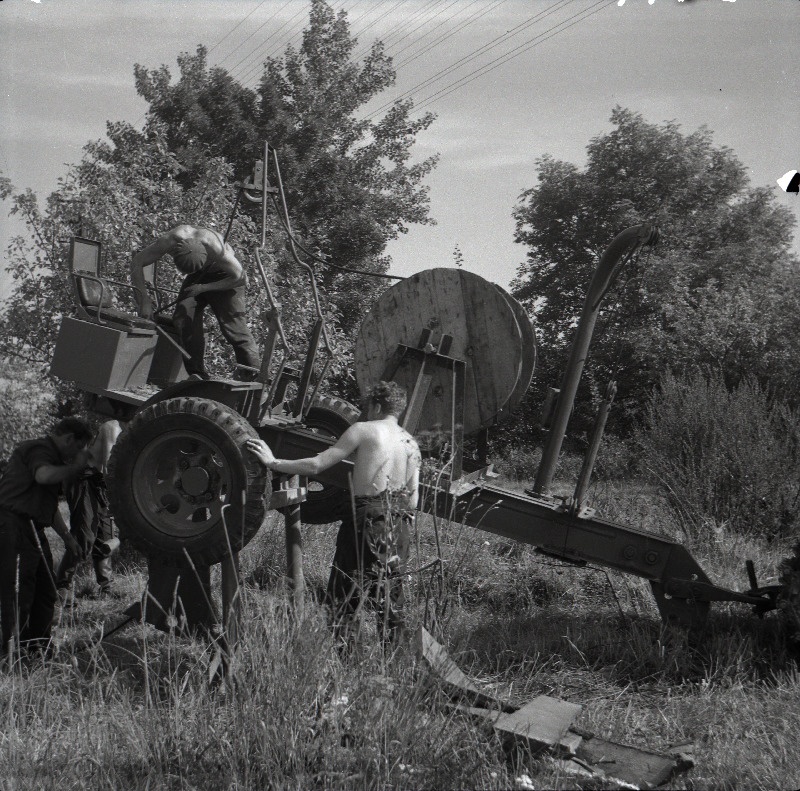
x,y
181,482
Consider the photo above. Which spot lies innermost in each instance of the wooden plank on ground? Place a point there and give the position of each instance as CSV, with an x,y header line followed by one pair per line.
x,y
630,765
542,724
443,666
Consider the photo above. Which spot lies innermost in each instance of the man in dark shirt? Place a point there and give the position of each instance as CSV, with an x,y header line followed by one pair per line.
x,y
90,520
29,492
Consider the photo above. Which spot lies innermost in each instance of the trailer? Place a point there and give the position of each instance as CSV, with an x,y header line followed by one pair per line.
x,y
186,492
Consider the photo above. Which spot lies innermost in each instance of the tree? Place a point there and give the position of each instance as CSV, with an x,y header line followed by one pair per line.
x,y
702,300
123,193
351,186
350,183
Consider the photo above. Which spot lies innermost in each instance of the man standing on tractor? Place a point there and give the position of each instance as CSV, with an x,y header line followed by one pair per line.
x,y
90,517
374,538
29,492
214,277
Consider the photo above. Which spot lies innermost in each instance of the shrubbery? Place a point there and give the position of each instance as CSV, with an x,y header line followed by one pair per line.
x,y
727,455
27,404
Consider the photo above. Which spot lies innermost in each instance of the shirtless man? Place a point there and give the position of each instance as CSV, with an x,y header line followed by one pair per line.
x,y
374,538
214,277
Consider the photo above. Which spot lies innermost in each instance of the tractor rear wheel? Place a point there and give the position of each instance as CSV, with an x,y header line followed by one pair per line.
x,y
181,481
330,417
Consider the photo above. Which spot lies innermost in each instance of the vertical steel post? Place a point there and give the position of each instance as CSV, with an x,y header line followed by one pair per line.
x,y
294,556
594,447
231,599
264,185
615,256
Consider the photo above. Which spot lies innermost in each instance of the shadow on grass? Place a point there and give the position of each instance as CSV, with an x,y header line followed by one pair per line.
x,y
633,650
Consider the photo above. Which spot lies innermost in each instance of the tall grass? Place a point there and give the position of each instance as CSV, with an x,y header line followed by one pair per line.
x,y
137,711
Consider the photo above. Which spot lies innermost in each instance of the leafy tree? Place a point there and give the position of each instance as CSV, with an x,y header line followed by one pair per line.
x,y
124,192
26,408
351,186
704,299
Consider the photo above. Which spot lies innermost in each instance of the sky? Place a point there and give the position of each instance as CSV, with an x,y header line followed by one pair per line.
x,y
509,80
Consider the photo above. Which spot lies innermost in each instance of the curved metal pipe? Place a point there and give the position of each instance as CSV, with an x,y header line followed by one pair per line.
x,y
616,255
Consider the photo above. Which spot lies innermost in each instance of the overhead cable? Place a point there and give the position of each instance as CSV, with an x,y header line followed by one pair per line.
x,y
519,50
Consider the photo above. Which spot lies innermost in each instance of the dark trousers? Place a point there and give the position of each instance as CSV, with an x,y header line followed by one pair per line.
x,y
372,549
27,589
231,311
91,526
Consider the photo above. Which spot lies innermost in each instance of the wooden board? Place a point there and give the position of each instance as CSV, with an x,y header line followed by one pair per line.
x,y
640,768
443,666
542,724
486,335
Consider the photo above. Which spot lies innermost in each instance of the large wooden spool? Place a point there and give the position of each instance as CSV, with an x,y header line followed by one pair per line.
x,y
491,332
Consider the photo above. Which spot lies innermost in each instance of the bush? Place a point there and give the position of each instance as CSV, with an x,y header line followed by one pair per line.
x,y
724,455
27,403
617,459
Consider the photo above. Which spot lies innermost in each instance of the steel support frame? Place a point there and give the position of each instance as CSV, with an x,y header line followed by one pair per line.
x,y
682,589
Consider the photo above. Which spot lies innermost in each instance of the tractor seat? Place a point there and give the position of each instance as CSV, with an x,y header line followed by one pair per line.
x,y
97,300
120,317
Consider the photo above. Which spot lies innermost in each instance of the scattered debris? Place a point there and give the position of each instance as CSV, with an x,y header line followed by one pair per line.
x,y
546,723
542,724
630,767
443,666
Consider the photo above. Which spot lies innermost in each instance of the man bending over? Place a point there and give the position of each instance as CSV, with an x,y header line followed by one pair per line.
x,y
90,520
29,492
374,538
214,277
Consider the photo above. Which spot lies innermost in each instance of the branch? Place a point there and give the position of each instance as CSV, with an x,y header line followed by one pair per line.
x,y
42,244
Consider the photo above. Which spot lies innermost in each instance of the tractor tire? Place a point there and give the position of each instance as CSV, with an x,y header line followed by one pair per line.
x,y
330,417
181,481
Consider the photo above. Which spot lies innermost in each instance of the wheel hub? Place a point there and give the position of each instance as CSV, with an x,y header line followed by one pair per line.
x,y
181,482
195,481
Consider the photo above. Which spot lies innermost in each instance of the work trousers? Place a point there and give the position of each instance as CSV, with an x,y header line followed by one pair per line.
x,y
231,311
27,586
91,526
372,549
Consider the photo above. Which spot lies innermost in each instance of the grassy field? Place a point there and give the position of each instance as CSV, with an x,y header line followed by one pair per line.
x,y
137,711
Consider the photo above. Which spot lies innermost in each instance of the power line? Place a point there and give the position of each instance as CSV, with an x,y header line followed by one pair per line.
x,y
378,18
426,7
261,45
476,15
236,26
412,44
294,32
242,43
519,50
470,56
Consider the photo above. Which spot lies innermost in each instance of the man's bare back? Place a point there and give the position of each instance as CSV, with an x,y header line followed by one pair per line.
x,y
219,255
385,457
374,538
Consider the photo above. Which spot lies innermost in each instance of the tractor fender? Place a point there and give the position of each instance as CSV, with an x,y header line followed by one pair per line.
x,y
234,394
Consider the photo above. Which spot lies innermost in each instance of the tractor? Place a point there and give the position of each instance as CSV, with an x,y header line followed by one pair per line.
x,y
187,494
